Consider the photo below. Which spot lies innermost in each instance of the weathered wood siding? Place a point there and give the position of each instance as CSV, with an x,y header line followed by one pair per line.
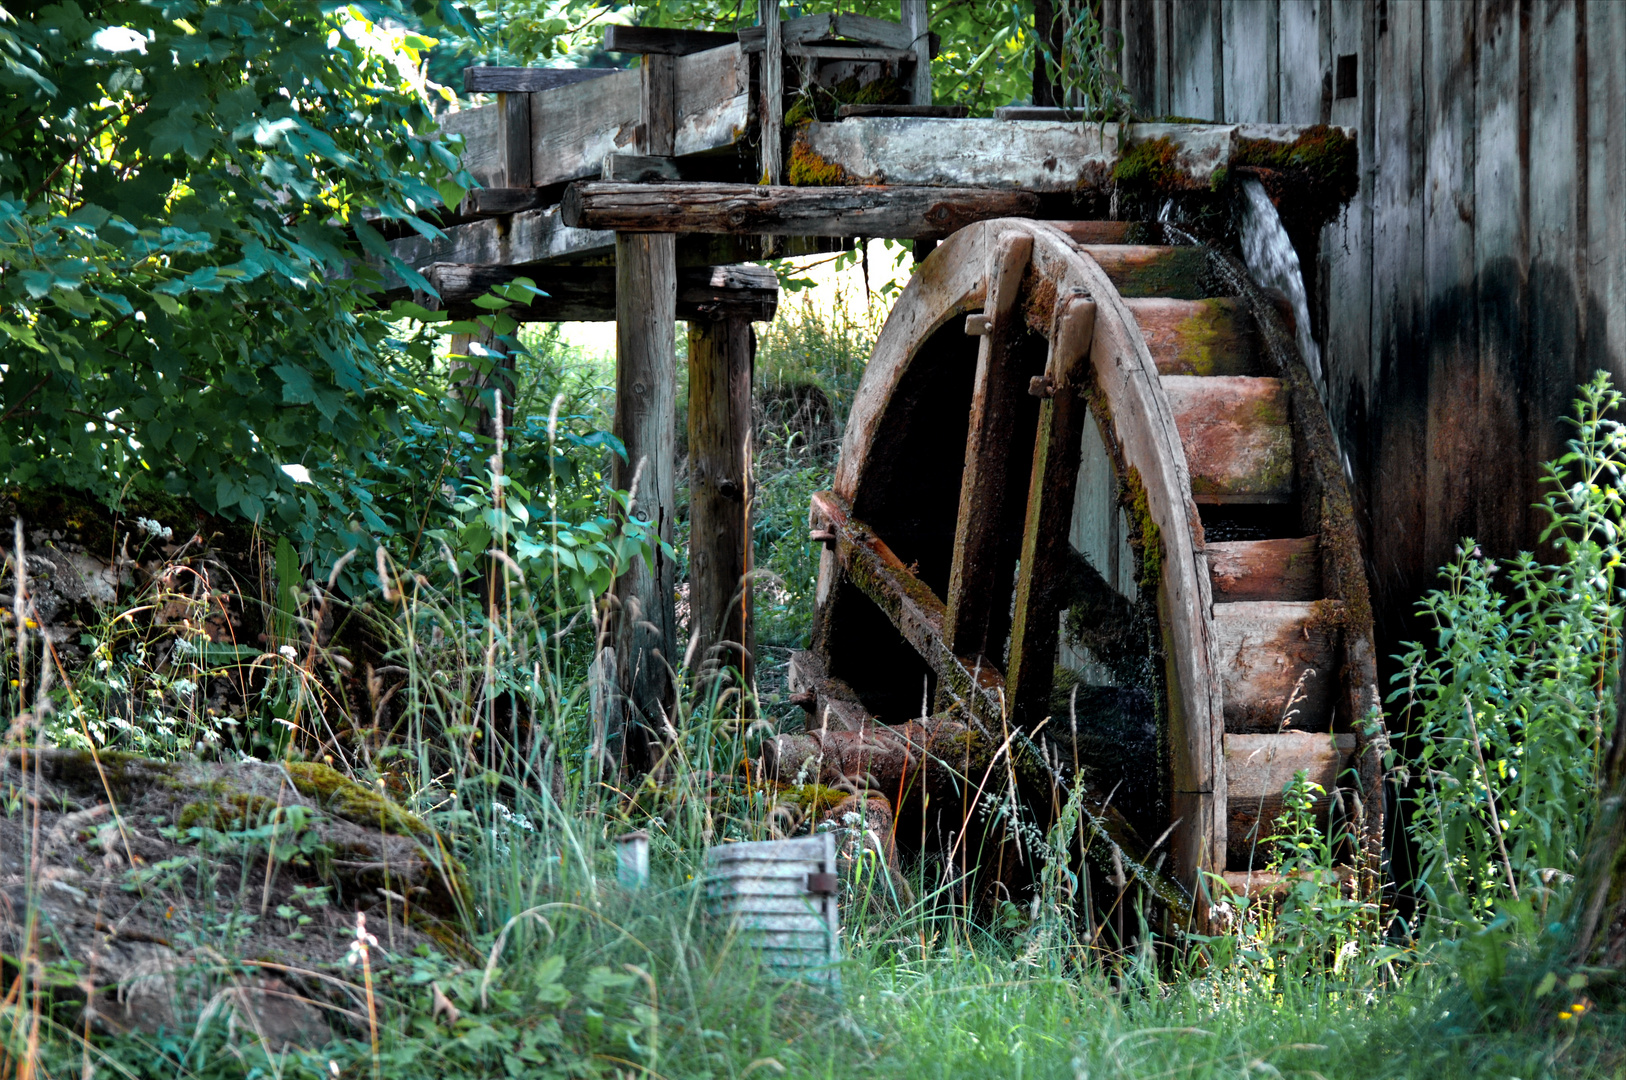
x,y
1479,275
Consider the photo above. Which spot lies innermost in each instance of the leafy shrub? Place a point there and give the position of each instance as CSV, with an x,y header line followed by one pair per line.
x,y
1512,704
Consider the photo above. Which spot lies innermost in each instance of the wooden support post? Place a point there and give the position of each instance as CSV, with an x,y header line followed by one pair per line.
x,y
721,357
645,421
914,21
772,109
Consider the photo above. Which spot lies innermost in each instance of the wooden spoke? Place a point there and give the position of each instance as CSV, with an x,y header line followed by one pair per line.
x,y
1049,512
977,592
914,610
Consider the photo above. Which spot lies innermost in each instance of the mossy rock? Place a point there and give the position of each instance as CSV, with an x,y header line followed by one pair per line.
x,y
345,798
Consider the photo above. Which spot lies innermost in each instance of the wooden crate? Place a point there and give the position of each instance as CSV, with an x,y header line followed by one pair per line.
x,y
779,897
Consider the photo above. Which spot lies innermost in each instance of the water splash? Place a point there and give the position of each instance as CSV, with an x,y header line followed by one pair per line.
x,y
1275,265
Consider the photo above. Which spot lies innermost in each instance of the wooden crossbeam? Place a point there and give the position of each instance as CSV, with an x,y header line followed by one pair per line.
x,y
827,28
772,210
525,80
663,41
587,293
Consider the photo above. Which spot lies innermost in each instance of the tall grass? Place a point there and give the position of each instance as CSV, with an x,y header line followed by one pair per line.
x,y
482,724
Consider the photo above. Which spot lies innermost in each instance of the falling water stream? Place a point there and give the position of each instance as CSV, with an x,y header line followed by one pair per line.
x,y
1275,265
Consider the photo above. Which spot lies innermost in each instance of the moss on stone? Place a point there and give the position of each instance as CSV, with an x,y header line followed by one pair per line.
x,y
1149,165
807,168
238,811
347,799
1319,171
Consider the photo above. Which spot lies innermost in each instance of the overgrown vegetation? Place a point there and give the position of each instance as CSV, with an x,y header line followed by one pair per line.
x,y
349,648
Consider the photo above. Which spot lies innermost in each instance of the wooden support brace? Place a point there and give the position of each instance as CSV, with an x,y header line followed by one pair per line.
x,y
1035,622
977,595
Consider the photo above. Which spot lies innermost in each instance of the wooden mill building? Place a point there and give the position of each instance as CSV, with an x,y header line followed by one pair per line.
x,y
1478,275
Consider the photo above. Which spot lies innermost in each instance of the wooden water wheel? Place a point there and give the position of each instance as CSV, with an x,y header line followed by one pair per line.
x,y
1088,483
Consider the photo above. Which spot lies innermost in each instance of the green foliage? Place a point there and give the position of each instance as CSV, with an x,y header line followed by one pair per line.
x,y
1512,704
187,191
986,57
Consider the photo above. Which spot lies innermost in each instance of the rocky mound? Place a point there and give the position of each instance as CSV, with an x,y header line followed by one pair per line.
x,y
154,895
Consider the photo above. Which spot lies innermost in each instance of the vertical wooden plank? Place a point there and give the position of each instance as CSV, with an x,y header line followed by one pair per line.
x,y
1605,97
1450,337
1556,232
1501,246
1345,261
1401,385
1192,50
915,18
1161,18
1250,61
976,588
720,362
772,109
1035,623
1140,57
1301,68
514,138
657,123
1217,33
645,421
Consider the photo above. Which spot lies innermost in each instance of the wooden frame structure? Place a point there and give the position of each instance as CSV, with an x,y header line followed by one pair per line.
x,y
658,178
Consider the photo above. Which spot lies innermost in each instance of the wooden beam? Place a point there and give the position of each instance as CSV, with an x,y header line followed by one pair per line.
x,y
942,112
645,421
816,29
721,357
574,127
1035,624
1070,156
525,80
788,211
534,237
915,17
979,590
645,392
514,139
587,293
497,201
664,41
771,78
